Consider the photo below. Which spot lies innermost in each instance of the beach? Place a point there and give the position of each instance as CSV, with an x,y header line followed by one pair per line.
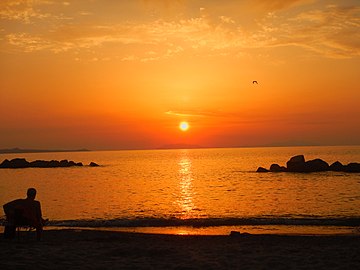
x,y
96,249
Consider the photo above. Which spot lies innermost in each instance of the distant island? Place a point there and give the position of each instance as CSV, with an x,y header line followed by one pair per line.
x,y
19,150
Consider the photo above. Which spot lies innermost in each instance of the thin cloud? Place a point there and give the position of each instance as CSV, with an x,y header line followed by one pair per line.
x,y
199,113
175,37
24,11
331,32
280,4
29,11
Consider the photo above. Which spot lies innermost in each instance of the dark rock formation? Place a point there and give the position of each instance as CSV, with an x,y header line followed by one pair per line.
x,y
17,163
235,234
298,164
337,167
277,168
66,163
352,167
261,169
93,164
316,165
54,163
39,164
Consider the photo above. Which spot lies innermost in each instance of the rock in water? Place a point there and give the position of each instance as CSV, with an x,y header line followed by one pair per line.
x,y
22,163
261,169
352,167
336,167
15,163
316,165
277,168
93,164
296,164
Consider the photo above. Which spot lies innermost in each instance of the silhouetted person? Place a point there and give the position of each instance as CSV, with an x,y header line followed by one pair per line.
x,y
23,212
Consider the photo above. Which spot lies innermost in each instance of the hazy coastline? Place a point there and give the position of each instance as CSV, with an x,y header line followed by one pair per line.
x,y
17,150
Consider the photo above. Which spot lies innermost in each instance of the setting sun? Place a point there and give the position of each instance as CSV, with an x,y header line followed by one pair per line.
x,y
184,126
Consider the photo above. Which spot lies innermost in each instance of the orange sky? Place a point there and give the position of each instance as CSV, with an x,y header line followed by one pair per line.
x,y
123,74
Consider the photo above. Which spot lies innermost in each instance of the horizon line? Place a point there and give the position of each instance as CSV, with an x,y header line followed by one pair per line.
x,y
17,150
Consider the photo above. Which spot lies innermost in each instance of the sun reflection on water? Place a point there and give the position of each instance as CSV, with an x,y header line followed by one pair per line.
x,y
185,200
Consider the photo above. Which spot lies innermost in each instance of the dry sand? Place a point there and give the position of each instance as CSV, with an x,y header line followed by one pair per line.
x,y
91,249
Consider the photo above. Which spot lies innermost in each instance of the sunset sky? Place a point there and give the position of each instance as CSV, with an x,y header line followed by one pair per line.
x,y
106,74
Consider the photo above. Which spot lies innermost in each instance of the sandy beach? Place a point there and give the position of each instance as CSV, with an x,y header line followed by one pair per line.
x,y
94,249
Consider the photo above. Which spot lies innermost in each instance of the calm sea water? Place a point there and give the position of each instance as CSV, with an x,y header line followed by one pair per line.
x,y
211,190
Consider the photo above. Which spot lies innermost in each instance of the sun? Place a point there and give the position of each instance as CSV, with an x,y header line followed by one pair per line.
x,y
184,126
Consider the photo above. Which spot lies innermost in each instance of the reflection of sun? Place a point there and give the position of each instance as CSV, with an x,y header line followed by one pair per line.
x,y
184,126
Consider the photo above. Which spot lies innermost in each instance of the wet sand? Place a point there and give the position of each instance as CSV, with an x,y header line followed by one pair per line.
x,y
94,249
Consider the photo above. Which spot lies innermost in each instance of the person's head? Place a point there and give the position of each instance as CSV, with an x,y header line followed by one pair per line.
x,y
31,193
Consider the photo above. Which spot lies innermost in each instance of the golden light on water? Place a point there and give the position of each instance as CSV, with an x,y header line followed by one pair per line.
x,y
185,200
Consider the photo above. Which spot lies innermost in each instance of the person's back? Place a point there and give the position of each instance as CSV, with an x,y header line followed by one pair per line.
x,y
32,211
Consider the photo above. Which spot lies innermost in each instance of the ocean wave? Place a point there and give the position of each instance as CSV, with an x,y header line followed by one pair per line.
x,y
207,222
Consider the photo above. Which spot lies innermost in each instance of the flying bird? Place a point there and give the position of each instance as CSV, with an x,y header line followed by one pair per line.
x,y
255,82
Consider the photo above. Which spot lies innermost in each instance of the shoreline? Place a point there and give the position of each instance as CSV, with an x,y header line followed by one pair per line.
x,y
98,249
226,230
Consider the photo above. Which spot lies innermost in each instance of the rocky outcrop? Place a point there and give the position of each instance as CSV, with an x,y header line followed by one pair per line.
x,y
316,165
15,163
18,163
93,164
277,168
261,169
336,167
298,164
352,167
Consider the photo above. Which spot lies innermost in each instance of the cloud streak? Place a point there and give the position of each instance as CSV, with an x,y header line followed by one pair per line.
x,y
199,113
280,4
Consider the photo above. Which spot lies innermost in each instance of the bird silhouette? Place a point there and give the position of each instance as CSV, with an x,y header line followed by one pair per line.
x,y
255,82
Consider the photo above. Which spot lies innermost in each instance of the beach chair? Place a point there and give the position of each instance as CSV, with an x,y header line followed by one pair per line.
x,y
16,225
22,223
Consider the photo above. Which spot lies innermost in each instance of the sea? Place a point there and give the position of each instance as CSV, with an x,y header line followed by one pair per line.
x,y
192,191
